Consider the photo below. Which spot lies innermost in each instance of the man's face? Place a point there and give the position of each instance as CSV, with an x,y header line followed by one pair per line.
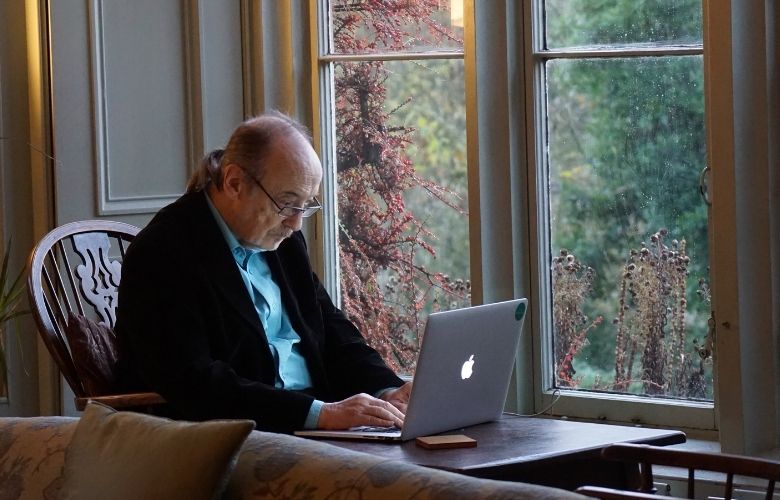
x,y
292,178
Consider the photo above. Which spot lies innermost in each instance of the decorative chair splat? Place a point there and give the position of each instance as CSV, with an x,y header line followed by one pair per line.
x,y
98,274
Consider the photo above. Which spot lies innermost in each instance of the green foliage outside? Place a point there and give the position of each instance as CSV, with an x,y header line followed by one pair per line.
x,y
626,146
579,23
429,97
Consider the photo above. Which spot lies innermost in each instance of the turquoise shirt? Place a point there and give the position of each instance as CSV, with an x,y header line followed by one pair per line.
x,y
291,370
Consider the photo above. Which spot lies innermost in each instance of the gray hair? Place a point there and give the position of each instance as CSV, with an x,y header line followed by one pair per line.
x,y
249,145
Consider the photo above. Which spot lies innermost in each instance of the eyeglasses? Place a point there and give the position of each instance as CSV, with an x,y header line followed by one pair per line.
x,y
288,210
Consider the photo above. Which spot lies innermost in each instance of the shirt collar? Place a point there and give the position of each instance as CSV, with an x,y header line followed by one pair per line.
x,y
240,252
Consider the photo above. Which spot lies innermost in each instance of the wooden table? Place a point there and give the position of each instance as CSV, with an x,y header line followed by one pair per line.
x,y
547,451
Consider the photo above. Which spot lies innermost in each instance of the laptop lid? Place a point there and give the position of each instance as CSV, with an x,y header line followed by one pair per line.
x,y
464,367
463,372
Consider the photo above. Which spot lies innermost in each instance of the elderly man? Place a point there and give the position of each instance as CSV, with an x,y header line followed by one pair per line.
x,y
221,312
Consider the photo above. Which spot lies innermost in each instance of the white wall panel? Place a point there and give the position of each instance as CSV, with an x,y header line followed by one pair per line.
x,y
140,90
222,91
140,100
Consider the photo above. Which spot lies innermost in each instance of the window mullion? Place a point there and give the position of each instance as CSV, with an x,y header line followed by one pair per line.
x,y
392,56
596,52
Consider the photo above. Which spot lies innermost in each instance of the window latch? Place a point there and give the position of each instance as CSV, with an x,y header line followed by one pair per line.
x,y
704,185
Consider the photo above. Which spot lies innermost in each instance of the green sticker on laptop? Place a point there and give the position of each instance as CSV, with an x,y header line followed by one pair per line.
x,y
520,311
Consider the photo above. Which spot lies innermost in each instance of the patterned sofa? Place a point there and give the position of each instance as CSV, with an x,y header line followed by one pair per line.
x,y
33,450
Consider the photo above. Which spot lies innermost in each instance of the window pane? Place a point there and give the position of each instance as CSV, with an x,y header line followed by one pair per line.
x,y
414,26
628,226
574,23
403,227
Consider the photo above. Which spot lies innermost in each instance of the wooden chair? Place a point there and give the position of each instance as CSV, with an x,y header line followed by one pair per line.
x,y
75,270
645,456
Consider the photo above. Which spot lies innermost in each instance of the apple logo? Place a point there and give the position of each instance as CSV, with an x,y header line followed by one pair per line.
x,y
468,368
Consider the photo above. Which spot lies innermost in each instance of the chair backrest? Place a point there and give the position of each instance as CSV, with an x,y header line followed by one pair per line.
x,y
76,268
646,456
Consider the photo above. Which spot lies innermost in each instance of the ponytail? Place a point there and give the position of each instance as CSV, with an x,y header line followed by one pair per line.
x,y
209,171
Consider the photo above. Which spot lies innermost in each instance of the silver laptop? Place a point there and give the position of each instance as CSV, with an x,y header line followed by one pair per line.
x,y
463,373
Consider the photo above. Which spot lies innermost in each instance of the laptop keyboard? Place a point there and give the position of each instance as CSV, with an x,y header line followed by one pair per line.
x,y
372,428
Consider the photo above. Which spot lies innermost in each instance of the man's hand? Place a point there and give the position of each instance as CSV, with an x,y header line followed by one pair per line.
x,y
360,409
398,397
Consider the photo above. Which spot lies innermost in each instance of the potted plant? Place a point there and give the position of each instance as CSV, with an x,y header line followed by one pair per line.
x,y
10,298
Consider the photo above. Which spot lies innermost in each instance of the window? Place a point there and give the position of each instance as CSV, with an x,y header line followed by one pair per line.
x,y
621,149
590,132
396,113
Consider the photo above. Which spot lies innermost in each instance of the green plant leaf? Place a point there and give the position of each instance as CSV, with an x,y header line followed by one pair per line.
x,y
4,275
9,302
13,315
10,297
3,365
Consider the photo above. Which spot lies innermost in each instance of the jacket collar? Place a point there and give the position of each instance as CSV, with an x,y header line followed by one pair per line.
x,y
211,245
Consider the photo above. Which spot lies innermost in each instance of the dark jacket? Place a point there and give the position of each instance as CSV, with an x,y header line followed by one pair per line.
x,y
192,333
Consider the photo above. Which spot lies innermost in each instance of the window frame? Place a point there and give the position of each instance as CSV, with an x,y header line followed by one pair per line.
x,y
700,416
507,191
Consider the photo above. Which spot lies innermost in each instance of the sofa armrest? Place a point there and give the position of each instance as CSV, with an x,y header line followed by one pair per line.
x,y
281,466
32,454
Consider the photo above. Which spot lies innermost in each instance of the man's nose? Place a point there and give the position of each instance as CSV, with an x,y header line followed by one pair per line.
x,y
294,222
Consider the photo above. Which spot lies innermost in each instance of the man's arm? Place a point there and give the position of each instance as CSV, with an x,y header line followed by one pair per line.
x,y
352,365
348,364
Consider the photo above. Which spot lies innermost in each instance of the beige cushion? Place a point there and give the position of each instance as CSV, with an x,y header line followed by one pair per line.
x,y
124,455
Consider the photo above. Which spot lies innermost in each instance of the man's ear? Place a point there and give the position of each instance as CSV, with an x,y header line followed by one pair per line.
x,y
233,180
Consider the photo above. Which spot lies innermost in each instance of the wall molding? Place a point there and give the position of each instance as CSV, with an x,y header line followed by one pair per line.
x,y
193,71
252,57
109,203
